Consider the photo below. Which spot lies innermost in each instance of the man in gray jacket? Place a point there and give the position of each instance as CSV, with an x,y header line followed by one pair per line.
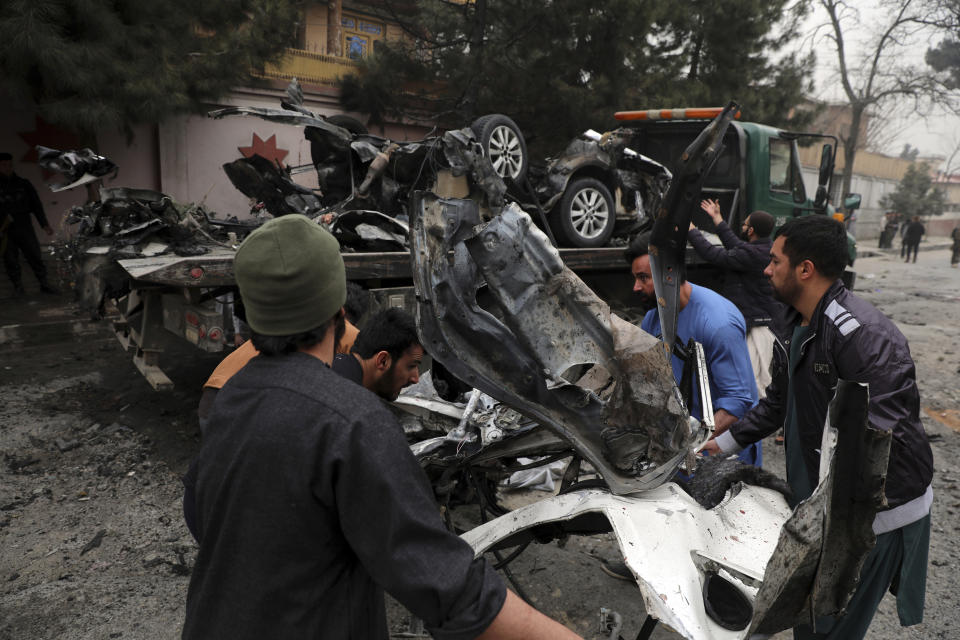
x,y
830,333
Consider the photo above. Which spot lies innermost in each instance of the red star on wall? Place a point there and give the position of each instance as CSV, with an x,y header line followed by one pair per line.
x,y
265,149
48,135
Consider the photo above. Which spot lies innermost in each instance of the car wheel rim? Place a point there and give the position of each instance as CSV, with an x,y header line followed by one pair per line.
x,y
589,213
505,152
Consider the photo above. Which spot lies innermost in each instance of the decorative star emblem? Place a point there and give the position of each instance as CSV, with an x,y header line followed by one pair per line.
x,y
48,135
265,149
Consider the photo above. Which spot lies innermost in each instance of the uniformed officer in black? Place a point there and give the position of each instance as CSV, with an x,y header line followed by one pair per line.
x,y
18,201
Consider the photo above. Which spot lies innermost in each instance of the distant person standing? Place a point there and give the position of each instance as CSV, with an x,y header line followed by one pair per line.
x,y
18,201
889,232
904,223
955,255
912,236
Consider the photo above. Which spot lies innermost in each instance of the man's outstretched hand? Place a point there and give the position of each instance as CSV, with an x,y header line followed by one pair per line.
x,y
712,207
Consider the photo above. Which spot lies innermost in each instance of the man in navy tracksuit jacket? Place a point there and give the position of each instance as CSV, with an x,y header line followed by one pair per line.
x,y
830,333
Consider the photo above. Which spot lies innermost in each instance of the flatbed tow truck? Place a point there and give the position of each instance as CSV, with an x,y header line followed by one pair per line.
x,y
174,294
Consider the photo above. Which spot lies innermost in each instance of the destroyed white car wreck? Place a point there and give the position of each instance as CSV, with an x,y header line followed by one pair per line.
x,y
498,307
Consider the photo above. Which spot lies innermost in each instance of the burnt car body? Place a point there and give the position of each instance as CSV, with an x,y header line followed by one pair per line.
x,y
748,565
363,178
598,187
124,223
575,197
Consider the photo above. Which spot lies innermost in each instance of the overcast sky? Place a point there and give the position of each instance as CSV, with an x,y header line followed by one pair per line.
x,y
935,134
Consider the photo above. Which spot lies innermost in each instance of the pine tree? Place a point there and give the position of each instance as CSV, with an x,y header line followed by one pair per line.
x,y
562,66
88,64
915,195
944,57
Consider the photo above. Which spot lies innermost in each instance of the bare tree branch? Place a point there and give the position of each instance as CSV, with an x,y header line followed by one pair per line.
x,y
883,74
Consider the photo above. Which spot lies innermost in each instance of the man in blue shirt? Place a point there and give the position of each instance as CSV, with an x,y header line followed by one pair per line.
x,y
714,322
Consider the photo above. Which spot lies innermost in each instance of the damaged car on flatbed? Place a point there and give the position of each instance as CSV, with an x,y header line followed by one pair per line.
x,y
167,267
172,282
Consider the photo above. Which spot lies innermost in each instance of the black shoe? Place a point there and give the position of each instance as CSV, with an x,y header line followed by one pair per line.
x,y
45,288
618,570
18,291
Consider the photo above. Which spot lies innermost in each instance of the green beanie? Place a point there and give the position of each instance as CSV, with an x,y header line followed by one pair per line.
x,y
290,275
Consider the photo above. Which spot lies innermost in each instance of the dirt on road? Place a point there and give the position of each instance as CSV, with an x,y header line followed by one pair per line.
x,y
91,528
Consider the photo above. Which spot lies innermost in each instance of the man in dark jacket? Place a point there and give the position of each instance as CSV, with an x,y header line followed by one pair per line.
x,y
912,236
743,260
955,248
309,502
19,203
829,334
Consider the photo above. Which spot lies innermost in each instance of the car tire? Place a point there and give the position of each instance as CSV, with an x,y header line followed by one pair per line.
x,y
586,215
504,145
349,123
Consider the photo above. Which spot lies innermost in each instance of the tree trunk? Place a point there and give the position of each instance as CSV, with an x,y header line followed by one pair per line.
x,y
695,57
476,48
850,147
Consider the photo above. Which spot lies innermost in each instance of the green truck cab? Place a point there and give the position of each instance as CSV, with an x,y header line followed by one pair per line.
x,y
758,169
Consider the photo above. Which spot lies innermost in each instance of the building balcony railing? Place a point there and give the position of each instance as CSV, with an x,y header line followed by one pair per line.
x,y
306,66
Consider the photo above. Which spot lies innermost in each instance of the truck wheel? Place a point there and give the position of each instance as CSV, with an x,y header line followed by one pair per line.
x,y
585,216
503,143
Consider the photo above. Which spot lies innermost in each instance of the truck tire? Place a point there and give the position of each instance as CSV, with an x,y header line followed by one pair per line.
x,y
585,216
503,143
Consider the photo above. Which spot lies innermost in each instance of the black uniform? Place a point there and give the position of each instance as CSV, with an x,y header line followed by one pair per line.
x,y
309,505
18,201
955,249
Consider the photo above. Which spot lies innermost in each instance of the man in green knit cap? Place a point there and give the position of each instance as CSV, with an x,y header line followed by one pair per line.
x,y
308,501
